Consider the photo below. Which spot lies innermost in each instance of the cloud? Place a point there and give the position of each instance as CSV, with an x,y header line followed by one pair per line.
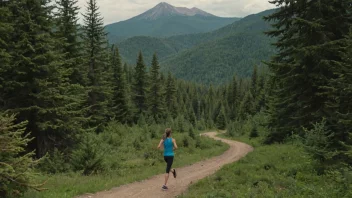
x,y
119,10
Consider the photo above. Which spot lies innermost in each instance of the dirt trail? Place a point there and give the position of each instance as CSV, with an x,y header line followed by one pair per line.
x,y
151,188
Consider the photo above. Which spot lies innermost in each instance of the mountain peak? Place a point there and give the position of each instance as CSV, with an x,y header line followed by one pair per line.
x,y
164,9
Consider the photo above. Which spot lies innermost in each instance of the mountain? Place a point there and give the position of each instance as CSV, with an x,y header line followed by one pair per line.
x,y
166,20
217,56
211,57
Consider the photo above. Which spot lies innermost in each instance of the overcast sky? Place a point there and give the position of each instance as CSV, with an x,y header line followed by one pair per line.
x,y
119,10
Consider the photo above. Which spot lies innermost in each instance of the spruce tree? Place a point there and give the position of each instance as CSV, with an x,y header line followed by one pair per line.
x,y
120,103
96,63
140,86
155,100
67,33
170,95
221,119
308,36
15,165
254,83
6,29
39,91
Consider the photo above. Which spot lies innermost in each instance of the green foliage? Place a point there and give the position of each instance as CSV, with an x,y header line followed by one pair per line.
x,y
67,33
272,171
317,142
120,100
15,164
88,157
306,63
140,85
208,58
155,98
254,132
96,63
221,120
55,162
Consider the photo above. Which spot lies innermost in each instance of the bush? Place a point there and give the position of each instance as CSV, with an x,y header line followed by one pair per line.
x,y
54,162
254,132
185,142
191,133
89,156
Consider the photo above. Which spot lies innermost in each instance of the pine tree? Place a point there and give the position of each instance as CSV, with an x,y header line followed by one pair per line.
x,y
306,61
170,95
221,120
254,83
233,98
6,29
155,100
95,60
15,166
120,103
38,90
140,86
67,32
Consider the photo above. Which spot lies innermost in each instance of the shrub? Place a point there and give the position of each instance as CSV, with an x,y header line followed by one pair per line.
x,y
89,155
185,142
54,162
254,132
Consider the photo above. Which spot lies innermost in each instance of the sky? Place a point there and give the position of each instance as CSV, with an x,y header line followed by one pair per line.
x,y
120,10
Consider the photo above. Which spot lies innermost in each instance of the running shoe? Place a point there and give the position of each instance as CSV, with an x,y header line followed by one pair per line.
x,y
174,173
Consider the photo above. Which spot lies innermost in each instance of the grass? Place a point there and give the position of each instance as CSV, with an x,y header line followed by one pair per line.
x,y
130,165
281,171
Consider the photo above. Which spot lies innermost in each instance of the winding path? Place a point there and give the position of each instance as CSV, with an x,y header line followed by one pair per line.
x,y
151,188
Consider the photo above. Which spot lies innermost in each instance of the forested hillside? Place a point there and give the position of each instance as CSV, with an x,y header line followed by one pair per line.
x,y
234,48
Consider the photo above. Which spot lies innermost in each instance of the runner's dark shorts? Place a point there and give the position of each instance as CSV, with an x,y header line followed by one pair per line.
x,y
169,160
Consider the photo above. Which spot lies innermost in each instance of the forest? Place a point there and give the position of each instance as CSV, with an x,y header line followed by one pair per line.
x,y
71,109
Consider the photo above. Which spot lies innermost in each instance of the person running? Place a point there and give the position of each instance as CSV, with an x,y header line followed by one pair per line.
x,y
170,145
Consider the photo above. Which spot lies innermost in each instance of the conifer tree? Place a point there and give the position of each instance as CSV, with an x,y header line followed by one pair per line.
x,y
95,60
254,83
307,39
67,33
120,103
15,165
140,86
6,29
39,90
170,95
221,119
155,100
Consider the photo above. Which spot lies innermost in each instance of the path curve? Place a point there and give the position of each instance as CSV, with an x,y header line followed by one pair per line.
x,y
151,188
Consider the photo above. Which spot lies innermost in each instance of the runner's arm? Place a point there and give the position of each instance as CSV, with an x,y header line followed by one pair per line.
x,y
160,143
175,145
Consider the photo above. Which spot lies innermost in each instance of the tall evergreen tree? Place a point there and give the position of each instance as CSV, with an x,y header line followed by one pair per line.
x,y
67,32
38,90
95,60
140,86
6,29
254,83
155,100
120,103
170,95
308,32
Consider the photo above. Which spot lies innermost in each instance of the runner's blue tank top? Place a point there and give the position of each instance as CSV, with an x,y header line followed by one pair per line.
x,y
168,147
